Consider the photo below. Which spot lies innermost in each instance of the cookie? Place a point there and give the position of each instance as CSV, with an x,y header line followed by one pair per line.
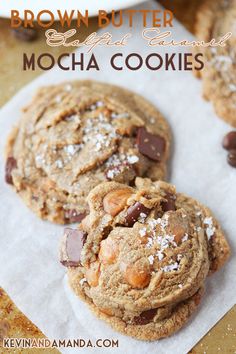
x,y
14,324
143,251
214,20
152,324
75,135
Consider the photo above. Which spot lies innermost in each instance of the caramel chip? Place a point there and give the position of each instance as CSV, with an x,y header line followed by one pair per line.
x,y
108,251
135,276
92,274
116,200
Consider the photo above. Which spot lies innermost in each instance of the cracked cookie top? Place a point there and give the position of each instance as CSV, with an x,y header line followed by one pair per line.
x,y
75,135
143,247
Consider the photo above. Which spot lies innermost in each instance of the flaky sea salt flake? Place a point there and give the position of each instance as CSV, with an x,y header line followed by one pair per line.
x,y
142,232
132,159
170,267
151,259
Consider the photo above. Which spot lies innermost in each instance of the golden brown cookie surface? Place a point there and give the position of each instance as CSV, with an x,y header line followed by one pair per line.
x,y
75,135
142,251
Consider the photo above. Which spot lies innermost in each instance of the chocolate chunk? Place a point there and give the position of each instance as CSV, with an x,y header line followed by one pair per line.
x,y
169,204
74,216
232,158
10,165
71,247
229,141
145,317
150,145
134,212
25,34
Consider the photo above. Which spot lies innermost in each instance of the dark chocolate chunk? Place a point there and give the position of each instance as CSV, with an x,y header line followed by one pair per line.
x,y
25,34
145,317
229,141
11,164
134,212
71,247
73,216
169,204
232,158
150,145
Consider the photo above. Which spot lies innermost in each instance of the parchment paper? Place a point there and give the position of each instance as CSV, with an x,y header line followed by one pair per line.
x,y
30,271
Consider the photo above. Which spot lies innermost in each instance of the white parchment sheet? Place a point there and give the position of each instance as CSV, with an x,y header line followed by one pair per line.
x,y
29,267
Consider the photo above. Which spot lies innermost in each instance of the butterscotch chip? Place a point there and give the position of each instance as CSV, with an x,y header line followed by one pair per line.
x,y
108,251
75,135
115,201
148,274
92,274
137,277
106,311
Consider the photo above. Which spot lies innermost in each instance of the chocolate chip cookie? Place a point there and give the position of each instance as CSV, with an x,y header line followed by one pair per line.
x,y
214,20
75,135
141,256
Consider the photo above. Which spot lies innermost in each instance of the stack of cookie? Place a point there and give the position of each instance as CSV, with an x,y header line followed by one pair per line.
x,y
94,154
141,257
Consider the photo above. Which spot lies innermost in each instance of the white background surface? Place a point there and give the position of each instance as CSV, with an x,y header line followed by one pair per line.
x,y
30,270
